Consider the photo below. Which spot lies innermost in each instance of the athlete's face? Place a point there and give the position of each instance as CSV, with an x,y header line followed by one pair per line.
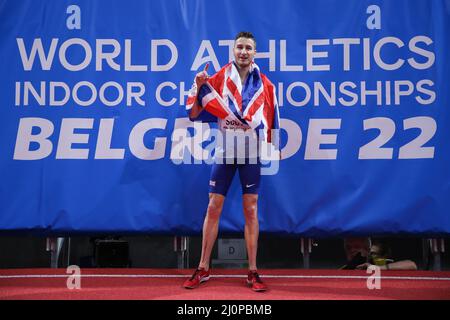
x,y
244,52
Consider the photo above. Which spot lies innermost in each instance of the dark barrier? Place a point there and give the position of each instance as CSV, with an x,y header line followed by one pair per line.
x,y
94,135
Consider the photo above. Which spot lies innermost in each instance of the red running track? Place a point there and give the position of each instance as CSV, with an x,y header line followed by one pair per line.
x,y
225,284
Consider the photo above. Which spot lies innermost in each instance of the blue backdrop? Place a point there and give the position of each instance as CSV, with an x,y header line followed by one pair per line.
x,y
92,93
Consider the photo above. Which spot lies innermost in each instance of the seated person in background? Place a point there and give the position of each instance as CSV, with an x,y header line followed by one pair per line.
x,y
380,255
356,251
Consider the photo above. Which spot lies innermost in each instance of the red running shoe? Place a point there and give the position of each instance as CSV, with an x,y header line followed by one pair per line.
x,y
200,275
255,282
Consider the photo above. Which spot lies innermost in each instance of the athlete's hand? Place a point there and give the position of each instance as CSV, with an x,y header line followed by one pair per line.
x,y
202,77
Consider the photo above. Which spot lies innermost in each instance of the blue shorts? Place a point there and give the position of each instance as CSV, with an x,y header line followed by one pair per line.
x,y
222,176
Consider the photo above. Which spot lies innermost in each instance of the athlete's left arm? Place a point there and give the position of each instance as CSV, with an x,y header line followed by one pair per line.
x,y
275,125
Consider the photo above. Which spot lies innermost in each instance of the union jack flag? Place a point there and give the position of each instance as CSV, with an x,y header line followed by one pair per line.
x,y
252,104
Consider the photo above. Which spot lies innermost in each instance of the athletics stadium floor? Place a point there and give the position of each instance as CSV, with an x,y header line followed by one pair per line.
x,y
225,284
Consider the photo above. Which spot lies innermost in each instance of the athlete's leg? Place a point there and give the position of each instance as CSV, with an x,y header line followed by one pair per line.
x,y
211,228
250,175
220,181
250,204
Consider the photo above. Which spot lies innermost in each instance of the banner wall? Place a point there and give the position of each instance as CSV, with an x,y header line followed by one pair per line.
x,y
94,135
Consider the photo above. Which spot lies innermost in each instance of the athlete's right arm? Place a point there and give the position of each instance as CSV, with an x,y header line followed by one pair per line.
x,y
200,79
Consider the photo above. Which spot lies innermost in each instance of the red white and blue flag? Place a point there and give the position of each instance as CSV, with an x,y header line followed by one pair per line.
x,y
252,104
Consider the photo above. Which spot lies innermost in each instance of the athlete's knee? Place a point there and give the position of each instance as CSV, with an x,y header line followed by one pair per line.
x,y
214,207
251,213
213,212
250,208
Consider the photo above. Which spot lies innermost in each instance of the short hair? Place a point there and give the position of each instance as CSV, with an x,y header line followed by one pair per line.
x,y
384,247
245,34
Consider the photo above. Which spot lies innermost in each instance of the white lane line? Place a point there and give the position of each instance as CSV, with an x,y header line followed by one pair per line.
x,y
28,276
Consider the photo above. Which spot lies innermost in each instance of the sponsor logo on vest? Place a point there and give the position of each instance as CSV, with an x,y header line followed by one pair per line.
x,y
233,123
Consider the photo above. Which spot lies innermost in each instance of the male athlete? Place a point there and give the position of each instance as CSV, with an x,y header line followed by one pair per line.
x,y
242,101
